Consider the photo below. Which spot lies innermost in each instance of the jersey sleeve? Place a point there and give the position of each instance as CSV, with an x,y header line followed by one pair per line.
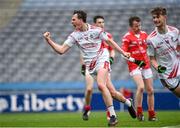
x,y
125,43
103,35
150,48
70,41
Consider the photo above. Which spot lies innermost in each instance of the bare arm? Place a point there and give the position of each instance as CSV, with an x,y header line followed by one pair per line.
x,y
154,62
81,60
114,45
61,49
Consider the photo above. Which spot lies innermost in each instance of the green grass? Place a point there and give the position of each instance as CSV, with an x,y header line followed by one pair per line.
x,y
73,119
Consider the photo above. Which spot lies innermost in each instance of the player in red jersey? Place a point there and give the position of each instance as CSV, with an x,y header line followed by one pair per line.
x,y
99,22
134,42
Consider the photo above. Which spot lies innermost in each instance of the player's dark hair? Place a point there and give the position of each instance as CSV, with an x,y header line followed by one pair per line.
x,y
159,11
97,17
132,19
81,15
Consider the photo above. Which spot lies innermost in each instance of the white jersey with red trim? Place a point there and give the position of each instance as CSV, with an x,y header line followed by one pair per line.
x,y
89,43
163,48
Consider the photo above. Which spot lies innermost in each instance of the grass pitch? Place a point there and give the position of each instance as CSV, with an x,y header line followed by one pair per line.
x,y
74,119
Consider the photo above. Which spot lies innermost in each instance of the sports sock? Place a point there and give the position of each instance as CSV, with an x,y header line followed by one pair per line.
x,y
151,113
87,107
111,110
139,110
127,102
108,115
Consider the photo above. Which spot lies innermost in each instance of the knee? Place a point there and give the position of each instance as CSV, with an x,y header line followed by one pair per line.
x,y
150,92
101,87
140,89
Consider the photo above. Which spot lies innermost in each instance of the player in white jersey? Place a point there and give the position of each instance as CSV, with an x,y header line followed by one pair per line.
x,y
99,22
164,51
89,40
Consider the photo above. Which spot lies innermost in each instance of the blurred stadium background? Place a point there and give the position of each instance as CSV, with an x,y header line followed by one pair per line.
x,y
31,72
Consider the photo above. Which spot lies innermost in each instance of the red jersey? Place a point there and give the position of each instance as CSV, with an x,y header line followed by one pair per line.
x,y
105,45
137,46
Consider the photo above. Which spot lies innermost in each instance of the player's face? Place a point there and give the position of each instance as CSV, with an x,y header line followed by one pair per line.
x,y
136,26
159,20
100,22
77,23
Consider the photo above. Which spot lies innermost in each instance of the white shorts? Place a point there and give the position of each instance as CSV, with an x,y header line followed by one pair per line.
x,y
101,62
172,83
146,73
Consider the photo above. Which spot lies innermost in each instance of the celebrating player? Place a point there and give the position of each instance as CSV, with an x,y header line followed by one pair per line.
x,y
89,40
99,22
163,49
134,42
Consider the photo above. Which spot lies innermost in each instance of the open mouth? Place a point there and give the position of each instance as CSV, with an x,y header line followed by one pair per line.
x,y
157,23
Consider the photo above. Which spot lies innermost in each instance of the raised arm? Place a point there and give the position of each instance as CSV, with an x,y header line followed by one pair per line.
x,y
61,49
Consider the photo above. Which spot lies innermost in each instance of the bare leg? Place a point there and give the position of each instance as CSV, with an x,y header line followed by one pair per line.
x,y
140,89
139,96
89,89
150,93
150,99
101,81
114,93
118,96
88,94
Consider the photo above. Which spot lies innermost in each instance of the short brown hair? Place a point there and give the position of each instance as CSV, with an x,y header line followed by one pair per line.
x,y
97,17
81,15
159,11
132,19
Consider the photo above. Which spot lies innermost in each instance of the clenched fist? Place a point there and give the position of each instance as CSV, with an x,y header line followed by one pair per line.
x,y
47,35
